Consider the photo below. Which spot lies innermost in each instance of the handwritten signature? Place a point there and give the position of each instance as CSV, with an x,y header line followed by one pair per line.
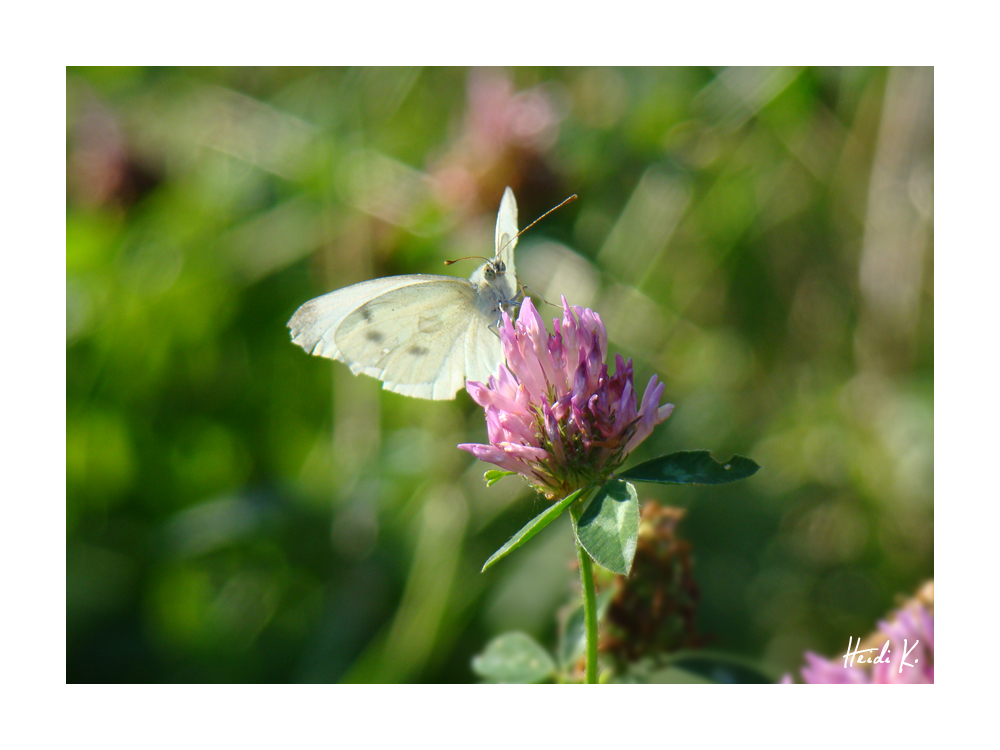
x,y
883,658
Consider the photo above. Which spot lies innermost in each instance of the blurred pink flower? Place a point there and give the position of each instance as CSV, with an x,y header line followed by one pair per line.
x,y
819,671
505,134
497,116
914,624
553,414
103,168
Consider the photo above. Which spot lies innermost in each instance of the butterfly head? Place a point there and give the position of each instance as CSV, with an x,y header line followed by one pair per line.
x,y
496,288
495,274
493,269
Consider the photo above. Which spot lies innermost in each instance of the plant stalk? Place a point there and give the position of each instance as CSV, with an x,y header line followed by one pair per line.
x,y
589,600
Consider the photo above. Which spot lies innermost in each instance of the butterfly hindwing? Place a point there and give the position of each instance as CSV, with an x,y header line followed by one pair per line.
x,y
482,351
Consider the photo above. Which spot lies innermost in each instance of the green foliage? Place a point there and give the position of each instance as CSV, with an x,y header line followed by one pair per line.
x,y
495,475
514,658
697,667
572,637
691,467
238,511
722,668
531,528
609,526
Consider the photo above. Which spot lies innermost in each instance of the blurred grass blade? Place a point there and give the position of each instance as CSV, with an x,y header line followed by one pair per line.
x,y
531,528
514,658
691,467
609,527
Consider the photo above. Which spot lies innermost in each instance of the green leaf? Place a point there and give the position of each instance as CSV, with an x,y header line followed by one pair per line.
x,y
514,658
574,636
721,668
691,467
609,527
661,675
495,475
531,528
695,666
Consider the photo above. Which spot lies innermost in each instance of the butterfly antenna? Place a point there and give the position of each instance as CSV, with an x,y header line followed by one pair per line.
x,y
467,257
568,200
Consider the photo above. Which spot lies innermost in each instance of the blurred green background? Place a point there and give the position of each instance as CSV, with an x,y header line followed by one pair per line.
x,y
240,511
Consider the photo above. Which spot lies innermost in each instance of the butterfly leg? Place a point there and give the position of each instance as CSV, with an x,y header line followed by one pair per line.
x,y
523,295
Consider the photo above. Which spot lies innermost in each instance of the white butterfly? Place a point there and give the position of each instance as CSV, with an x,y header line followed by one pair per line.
x,y
420,335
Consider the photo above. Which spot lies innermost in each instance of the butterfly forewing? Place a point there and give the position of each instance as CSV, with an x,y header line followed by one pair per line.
x,y
414,338
506,234
420,335
315,322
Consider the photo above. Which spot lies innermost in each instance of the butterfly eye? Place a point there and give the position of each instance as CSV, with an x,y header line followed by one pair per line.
x,y
489,273
501,267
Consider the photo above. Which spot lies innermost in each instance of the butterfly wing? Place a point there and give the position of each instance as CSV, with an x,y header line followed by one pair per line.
x,y
420,335
506,236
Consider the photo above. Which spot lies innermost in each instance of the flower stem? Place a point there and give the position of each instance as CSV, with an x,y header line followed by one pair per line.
x,y
589,599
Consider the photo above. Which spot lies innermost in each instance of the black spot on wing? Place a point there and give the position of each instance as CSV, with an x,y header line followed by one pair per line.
x,y
418,351
374,336
365,313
